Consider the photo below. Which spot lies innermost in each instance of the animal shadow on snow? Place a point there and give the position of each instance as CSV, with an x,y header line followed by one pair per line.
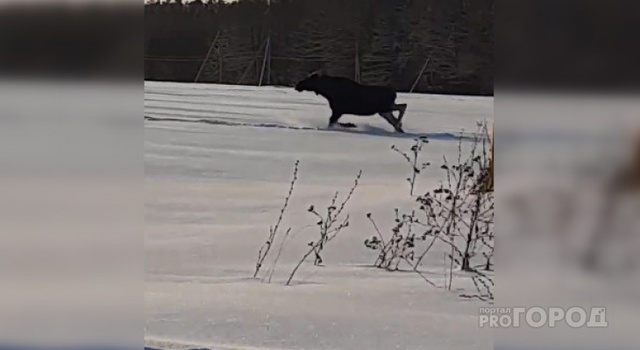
x,y
364,129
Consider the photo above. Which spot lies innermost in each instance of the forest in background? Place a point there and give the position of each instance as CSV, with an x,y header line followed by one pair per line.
x,y
381,42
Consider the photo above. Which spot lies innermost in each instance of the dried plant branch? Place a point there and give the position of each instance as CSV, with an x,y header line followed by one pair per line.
x,y
327,227
454,214
412,159
275,261
273,231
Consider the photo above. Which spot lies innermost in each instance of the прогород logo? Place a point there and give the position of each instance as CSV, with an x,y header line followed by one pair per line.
x,y
536,317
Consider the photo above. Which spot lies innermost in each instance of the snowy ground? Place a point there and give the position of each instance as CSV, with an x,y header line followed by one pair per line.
x,y
218,161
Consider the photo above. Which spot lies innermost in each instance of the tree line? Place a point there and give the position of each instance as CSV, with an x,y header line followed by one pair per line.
x,y
436,46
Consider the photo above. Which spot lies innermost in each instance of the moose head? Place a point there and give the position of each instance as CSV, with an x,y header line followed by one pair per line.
x,y
310,83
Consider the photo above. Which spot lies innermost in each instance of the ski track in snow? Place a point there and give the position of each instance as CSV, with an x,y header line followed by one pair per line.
x,y
358,130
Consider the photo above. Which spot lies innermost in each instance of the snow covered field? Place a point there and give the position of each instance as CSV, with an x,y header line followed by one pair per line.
x,y
218,162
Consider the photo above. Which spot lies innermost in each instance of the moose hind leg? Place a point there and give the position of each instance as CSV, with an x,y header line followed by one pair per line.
x,y
401,108
388,116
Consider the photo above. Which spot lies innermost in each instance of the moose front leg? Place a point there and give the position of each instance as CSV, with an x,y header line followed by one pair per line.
x,y
334,118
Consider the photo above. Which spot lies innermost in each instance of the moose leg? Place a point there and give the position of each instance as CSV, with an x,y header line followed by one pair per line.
x,y
401,108
334,118
388,116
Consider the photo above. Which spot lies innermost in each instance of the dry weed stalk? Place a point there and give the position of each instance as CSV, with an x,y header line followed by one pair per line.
x,y
460,214
412,158
329,225
273,230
